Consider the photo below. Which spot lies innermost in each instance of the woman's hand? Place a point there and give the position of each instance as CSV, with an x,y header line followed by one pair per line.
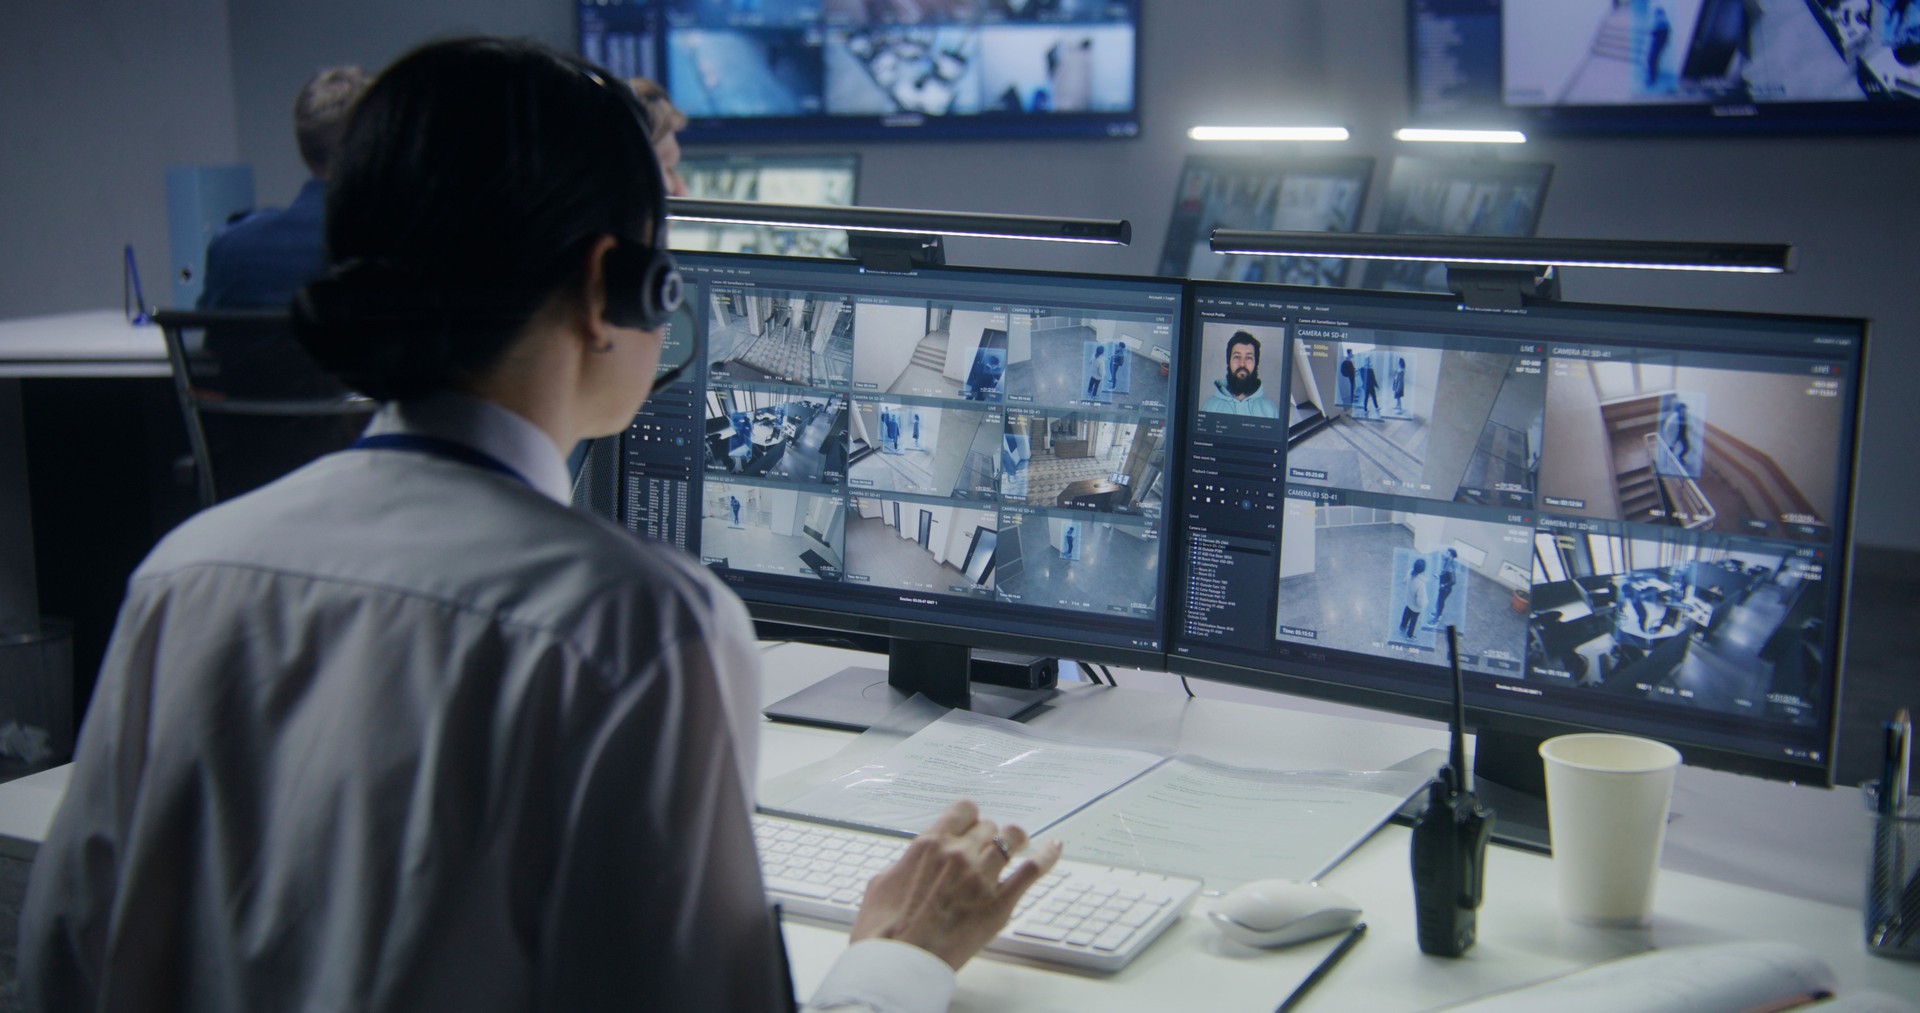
x,y
946,894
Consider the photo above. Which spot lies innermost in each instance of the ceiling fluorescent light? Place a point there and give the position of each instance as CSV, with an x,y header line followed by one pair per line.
x,y
901,220
1460,136
1746,258
1268,133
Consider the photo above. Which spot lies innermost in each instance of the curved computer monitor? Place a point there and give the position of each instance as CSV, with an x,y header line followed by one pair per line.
x,y
952,458
1635,517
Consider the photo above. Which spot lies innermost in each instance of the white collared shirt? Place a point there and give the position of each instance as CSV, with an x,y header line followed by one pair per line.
x,y
402,733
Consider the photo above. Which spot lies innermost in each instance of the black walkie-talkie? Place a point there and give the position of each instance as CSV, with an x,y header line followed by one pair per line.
x,y
1450,841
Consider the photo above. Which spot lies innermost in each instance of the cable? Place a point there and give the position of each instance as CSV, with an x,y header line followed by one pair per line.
x,y
1183,685
1109,672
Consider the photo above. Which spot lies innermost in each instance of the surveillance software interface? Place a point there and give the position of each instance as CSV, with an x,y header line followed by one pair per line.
x,y
1632,517
982,449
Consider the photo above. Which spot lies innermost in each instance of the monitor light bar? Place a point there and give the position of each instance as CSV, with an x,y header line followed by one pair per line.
x,y
1268,133
901,221
1742,258
1425,134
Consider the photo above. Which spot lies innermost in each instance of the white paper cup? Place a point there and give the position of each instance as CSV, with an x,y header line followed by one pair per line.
x,y
1607,799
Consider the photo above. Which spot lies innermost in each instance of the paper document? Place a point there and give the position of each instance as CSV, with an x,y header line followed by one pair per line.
x,y
1014,775
1711,978
1230,825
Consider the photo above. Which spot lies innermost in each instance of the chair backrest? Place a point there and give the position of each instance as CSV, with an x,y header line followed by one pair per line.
x,y
254,403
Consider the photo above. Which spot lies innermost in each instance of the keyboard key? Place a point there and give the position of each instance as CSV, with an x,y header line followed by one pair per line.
x,y
1081,914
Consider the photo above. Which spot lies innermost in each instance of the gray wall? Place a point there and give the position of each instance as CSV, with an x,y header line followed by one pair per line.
x,y
107,92
97,98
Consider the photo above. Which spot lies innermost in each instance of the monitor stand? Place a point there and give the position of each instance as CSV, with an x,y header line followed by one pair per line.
x,y
855,699
1511,781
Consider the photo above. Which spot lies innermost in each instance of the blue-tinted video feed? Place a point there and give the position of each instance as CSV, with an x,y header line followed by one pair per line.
x,y
814,69
779,336
743,13
1057,68
884,70
745,72
1071,560
1406,413
923,545
776,529
1066,358
1721,624
1109,463
777,433
932,448
1388,582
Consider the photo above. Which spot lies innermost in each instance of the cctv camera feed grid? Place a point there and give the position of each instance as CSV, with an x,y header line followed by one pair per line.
x,y
791,179
1719,64
979,448
1262,194
880,67
1634,518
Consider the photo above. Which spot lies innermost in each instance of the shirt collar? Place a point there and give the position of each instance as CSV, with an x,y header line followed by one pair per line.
x,y
486,427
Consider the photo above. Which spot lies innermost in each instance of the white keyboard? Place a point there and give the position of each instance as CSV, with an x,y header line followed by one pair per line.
x,y
1097,917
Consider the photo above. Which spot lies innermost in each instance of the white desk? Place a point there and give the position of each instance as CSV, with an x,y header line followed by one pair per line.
x,y
94,343
91,343
1522,936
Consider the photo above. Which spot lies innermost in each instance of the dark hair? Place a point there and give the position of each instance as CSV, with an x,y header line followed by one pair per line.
x,y
473,177
1419,566
320,114
1244,338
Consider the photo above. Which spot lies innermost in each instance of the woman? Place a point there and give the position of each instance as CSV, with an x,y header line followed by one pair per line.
x,y
402,731
1416,603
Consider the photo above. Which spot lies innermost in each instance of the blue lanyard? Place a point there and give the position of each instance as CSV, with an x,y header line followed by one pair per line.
x,y
441,448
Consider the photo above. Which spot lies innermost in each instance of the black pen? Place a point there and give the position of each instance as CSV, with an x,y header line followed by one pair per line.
x,y
1326,964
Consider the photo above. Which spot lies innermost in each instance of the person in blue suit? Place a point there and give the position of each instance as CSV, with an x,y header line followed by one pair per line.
x,y
260,261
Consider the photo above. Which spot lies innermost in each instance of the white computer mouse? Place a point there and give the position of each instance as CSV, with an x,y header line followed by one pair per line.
x,y
1281,912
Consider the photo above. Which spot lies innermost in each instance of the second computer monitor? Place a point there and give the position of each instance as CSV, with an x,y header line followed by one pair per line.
x,y
771,179
1636,518
1292,195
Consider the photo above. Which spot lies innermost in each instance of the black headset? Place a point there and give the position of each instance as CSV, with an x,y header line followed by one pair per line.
x,y
644,286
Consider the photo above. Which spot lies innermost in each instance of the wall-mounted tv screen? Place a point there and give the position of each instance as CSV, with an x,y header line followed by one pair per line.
x,y
1453,197
878,69
1667,65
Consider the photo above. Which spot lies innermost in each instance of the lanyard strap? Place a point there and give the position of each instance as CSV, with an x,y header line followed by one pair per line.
x,y
441,448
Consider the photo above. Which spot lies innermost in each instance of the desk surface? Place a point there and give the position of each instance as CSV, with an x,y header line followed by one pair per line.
x,y
90,343
1522,936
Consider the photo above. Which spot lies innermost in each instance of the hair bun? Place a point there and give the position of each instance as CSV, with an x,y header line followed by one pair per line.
x,y
374,324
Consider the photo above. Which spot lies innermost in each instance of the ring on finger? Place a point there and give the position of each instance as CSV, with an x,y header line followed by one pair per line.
x,y
1001,843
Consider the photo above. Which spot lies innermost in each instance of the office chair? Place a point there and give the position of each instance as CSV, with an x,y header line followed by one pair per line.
x,y
255,405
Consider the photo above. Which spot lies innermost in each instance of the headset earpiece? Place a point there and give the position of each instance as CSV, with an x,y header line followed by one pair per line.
x,y
643,286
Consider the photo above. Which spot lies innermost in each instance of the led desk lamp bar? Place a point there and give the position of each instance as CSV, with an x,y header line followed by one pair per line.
x,y
1502,271
895,238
